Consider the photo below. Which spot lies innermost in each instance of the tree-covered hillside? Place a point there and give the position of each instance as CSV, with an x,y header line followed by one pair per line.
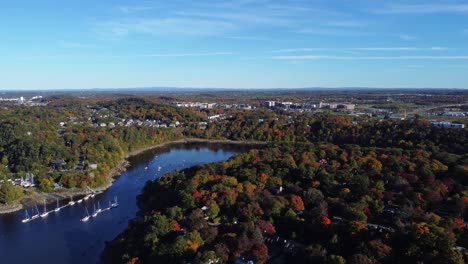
x,y
304,203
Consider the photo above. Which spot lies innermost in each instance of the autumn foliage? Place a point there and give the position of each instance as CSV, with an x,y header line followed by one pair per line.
x,y
297,203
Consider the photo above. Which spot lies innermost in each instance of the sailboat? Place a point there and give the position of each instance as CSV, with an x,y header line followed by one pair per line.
x,y
26,217
37,214
95,213
58,208
71,201
98,208
115,203
159,168
86,218
45,213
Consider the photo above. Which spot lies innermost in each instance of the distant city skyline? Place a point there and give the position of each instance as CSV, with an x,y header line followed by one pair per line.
x,y
54,44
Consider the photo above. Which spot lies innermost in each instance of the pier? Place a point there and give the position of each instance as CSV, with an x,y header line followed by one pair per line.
x,y
38,215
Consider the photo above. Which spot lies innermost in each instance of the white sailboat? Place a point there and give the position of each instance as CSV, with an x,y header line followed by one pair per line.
x,y
45,213
37,214
26,217
57,208
159,168
115,203
98,208
71,202
94,213
86,218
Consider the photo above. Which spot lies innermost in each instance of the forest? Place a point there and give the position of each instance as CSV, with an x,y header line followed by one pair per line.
x,y
304,203
328,187
32,139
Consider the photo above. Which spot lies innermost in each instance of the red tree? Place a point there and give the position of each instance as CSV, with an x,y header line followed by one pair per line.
x,y
260,252
297,203
324,220
266,227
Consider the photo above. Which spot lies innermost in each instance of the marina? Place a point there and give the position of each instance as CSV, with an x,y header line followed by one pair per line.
x,y
75,241
45,213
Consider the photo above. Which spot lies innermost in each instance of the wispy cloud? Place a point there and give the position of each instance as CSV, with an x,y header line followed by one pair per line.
x,y
133,9
334,32
399,49
188,26
43,57
439,48
344,24
422,9
79,45
304,10
414,66
127,56
332,57
362,49
406,37
202,54
385,49
241,17
205,17
262,38
297,50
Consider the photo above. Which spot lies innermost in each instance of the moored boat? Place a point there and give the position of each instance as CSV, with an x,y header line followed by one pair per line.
x,y
95,213
71,202
37,213
98,208
45,213
57,208
26,217
115,203
86,217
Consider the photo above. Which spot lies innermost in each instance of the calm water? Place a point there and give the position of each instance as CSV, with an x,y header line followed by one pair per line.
x,y
62,238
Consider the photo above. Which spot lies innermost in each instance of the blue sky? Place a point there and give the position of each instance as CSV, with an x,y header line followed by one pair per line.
x,y
233,44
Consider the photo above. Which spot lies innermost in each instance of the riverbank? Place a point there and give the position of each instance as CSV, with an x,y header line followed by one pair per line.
x,y
114,173
124,163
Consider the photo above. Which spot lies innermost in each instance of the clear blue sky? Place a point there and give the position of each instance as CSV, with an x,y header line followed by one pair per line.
x,y
233,43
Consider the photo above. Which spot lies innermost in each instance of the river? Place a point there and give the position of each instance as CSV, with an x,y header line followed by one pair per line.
x,y
62,238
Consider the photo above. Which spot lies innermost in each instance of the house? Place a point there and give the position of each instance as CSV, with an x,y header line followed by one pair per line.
x,y
58,164
92,166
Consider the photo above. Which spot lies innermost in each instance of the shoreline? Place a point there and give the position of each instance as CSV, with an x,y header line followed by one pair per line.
x,y
113,174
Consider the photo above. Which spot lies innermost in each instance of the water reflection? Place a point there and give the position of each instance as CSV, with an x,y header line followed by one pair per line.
x,y
62,238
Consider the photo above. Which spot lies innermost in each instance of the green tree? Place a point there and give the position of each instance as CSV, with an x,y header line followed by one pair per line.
x,y
213,210
10,193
